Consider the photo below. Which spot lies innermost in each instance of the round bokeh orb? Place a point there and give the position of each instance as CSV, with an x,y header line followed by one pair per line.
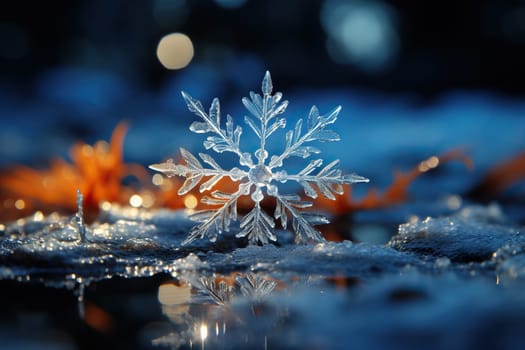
x,y
175,51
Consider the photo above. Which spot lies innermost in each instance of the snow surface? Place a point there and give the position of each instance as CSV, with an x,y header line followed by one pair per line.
x,y
450,282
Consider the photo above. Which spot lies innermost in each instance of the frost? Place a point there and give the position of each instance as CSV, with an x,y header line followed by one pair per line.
x,y
471,235
79,217
259,176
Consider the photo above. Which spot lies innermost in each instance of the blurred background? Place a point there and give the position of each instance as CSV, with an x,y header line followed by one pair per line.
x,y
414,78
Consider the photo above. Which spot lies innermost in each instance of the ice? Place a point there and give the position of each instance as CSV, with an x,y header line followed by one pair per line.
x,y
130,242
136,243
449,282
52,247
409,310
324,258
471,235
510,264
263,177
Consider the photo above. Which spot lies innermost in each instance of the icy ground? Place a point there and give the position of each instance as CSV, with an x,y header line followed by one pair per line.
x,y
450,282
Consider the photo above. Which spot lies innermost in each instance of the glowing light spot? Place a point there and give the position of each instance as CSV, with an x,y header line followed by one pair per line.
x,y
135,201
428,164
454,202
413,219
170,294
190,201
175,51
203,331
38,216
87,150
2,227
20,204
362,33
148,200
157,179
106,206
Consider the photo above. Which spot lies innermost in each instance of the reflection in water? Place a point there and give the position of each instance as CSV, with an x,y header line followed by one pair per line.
x,y
202,309
79,292
204,333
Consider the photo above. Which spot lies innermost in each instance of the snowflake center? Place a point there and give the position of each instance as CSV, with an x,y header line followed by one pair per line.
x,y
260,175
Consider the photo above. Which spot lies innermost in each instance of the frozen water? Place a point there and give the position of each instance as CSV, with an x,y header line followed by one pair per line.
x,y
261,178
132,242
471,235
414,292
399,311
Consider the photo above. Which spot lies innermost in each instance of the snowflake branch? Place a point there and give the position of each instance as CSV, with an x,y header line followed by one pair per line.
x,y
316,132
302,222
228,140
265,108
329,180
257,225
194,172
218,219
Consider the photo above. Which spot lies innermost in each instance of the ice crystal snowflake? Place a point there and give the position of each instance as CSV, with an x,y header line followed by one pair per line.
x,y
260,177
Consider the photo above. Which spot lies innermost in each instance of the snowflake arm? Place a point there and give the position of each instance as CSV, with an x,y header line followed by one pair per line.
x,y
329,180
257,226
316,131
215,221
265,108
195,172
302,222
226,140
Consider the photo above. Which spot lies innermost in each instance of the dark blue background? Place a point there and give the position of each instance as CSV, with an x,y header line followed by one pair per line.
x,y
72,70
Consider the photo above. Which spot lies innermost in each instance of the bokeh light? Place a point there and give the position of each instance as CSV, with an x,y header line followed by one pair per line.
x,y
175,51
190,201
170,294
135,201
362,33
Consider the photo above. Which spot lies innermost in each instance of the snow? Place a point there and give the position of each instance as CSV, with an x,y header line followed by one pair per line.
x,y
453,281
471,235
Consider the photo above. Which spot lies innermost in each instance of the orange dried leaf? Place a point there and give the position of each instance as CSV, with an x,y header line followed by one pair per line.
x,y
96,170
501,177
397,192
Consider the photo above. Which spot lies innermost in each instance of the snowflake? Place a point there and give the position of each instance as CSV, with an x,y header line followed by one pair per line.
x,y
260,177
